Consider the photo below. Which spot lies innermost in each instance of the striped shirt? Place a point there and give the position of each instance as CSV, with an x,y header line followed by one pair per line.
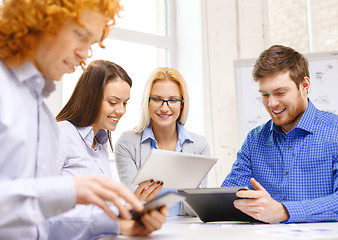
x,y
76,157
28,137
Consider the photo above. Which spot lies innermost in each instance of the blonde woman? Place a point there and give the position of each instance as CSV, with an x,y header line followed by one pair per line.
x,y
165,109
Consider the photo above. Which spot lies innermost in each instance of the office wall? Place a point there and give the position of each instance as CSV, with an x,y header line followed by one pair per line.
x,y
232,30
189,59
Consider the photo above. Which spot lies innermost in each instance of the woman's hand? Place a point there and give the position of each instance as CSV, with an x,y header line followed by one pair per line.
x,y
149,222
148,190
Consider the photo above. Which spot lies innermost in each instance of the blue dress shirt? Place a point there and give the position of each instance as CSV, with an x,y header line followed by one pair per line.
x,y
28,138
76,157
298,169
182,137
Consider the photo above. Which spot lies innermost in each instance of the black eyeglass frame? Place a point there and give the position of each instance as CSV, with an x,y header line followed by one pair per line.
x,y
167,101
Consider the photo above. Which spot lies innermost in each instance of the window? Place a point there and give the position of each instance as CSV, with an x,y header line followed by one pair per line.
x,y
142,41
325,25
144,16
306,25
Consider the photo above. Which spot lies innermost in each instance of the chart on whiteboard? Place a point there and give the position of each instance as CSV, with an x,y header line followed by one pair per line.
x,y
324,84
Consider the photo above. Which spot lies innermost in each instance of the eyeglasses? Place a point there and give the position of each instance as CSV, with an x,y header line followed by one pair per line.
x,y
158,102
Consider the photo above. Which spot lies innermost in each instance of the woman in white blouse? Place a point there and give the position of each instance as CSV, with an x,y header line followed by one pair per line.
x,y
97,104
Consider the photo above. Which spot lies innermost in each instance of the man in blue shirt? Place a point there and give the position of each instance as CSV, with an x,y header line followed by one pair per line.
x,y
39,42
291,161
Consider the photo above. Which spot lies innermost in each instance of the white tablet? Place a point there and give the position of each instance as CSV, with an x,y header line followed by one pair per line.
x,y
175,169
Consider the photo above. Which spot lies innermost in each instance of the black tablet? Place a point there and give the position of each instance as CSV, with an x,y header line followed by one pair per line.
x,y
167,199
215,204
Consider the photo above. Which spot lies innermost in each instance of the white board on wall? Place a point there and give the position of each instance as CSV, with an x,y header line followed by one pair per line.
x,y
323,91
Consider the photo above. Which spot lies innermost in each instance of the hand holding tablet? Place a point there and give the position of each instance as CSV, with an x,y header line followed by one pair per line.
x,y
167,199
175,169
215,204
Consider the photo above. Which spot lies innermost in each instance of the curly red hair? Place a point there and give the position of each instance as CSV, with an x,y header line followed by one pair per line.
x,y
23,21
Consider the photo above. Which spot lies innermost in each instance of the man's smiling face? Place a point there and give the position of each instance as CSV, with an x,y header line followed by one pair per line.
x,y
283,100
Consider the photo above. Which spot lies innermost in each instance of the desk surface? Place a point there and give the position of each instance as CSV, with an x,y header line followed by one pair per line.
x,y
189,228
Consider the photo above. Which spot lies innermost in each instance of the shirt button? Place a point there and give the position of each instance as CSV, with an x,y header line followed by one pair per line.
x,y
289,146
286,172
38,80
284,198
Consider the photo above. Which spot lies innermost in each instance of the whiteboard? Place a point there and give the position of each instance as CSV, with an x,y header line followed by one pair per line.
x,y
323,91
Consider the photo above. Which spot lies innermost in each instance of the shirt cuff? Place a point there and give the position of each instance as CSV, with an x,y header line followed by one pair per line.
x,y
296,212
56,194
104,225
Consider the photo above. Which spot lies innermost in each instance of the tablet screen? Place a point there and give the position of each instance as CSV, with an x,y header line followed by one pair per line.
x,y
176,170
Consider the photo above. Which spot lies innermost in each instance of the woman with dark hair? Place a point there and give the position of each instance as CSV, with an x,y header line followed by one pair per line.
x,y
97,104
94,95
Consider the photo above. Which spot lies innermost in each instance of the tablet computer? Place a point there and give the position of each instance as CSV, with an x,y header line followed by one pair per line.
x,y
175,169
215,204
167,199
